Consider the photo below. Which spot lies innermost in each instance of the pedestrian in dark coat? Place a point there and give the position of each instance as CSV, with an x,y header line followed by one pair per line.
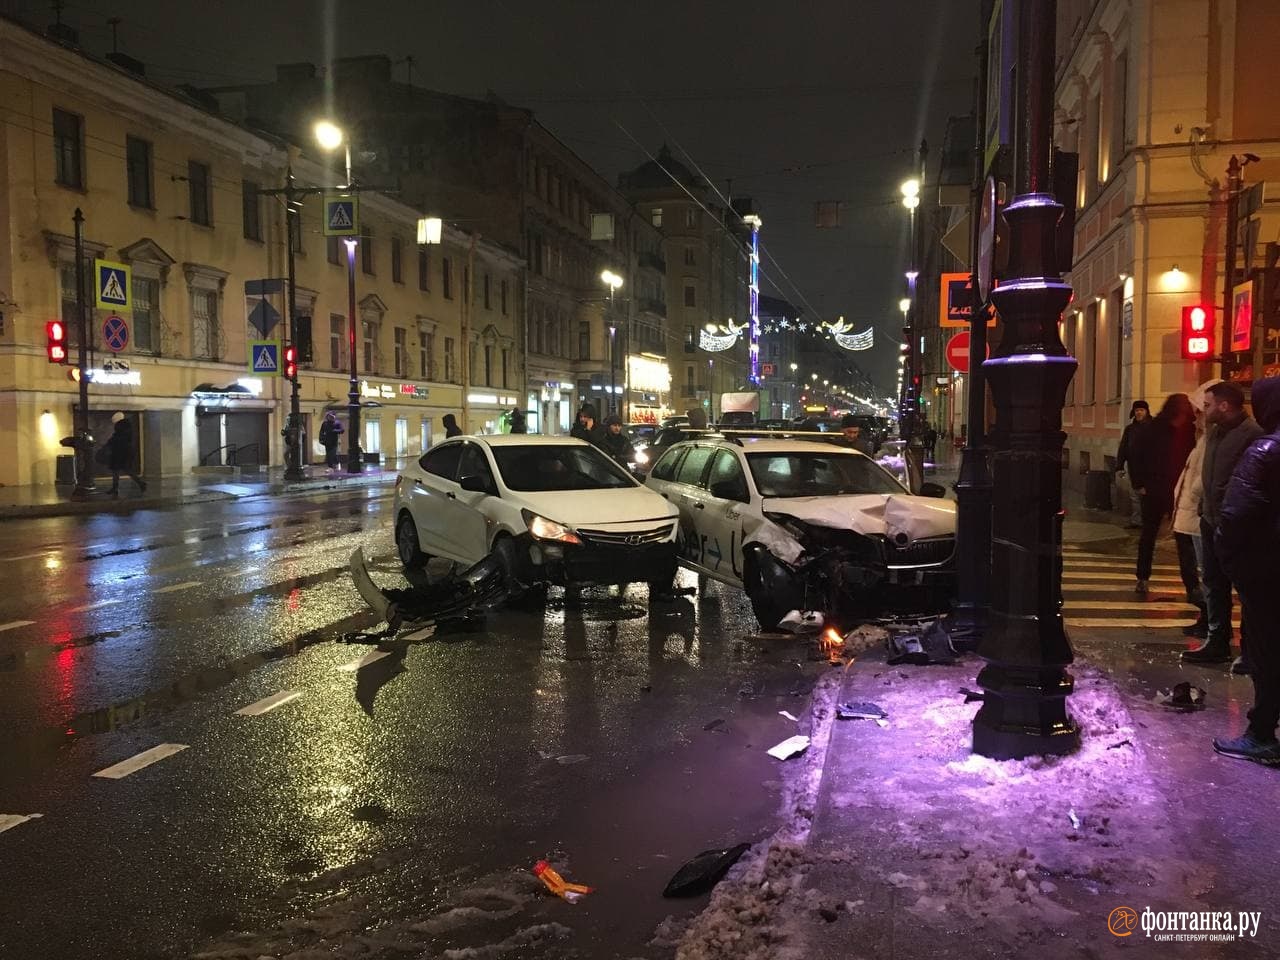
x,y
1230,432
616,443
851,431
451,428
518,424
330,434
1247,541
588,426
697,418
121,453
1139,423
1167,444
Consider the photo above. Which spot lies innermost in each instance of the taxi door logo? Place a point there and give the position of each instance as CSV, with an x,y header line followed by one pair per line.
x,y
1122,921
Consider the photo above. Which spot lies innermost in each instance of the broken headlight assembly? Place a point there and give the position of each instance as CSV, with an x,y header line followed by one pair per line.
x,y
543,529
815,539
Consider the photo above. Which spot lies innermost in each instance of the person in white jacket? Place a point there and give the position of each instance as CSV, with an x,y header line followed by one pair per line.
x,y
1187,494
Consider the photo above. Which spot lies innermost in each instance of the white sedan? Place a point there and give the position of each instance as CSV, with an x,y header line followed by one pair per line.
x,y
803,525
550,509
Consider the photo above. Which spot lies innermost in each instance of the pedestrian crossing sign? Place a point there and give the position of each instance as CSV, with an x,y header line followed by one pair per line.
x,y
264,356
341,216
112,286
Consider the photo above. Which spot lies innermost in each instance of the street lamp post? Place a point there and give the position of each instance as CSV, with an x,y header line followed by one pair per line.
x,y
909,426
613,282
355,462
1024,709
293,423
83,442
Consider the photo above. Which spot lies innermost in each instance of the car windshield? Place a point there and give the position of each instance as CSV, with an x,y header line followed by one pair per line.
x,y
544,468
818,475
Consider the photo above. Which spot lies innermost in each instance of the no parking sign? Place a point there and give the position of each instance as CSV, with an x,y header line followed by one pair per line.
x,y
115,333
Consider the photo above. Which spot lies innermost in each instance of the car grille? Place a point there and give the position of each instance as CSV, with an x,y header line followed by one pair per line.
x,y
626,538
921,553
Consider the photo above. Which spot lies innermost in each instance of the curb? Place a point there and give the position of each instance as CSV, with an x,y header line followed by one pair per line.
x,y
69,508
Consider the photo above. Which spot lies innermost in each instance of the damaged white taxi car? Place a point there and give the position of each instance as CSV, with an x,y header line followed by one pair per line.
x,y
802,525
549,509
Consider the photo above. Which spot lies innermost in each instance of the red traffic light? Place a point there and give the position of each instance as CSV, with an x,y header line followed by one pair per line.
x,y
1197,332
290,366
55,332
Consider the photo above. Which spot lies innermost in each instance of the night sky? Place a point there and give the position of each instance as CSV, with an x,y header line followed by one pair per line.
x,y
795,103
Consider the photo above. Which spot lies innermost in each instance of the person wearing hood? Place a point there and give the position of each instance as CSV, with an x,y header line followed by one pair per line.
x,y
1187,494
1169,442
1130,440
616,443
518,423
451,428
588,426
697,418
120,454
1247,541
851,431
1230,432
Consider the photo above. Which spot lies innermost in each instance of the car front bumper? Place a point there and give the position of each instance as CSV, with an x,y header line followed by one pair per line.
x,y
567,563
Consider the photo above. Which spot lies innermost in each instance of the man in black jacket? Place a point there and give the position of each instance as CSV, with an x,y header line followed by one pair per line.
x,y
1139,422
1230,432
588,426
1248,542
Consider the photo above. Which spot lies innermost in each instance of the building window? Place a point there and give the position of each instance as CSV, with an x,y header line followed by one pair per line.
x,y
337,341
198,191
367,336
690,257
366,251
204,324
426,355
1119,102
1089,360
68,149
331,249
1115,337
402,353
486,292
690,295
584,340
396,275
146,314
506,358
137,165
1069,341
448,360
655,217
446,277
691,216
488,365
424,270
502,294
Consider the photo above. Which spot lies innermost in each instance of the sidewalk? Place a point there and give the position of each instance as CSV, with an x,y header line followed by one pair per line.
x,y
168,492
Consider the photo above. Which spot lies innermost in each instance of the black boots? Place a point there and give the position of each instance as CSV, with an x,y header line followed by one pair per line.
x,y
1213,650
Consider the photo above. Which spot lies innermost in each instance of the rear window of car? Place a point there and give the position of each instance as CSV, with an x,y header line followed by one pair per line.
x,y
545,468
818,475
694,465
665,468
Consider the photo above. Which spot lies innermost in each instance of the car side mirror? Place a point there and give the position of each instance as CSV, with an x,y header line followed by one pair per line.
x,y
473,484
932,490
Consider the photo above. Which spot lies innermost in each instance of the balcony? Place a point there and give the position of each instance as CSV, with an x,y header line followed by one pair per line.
x,y
653,261
654,306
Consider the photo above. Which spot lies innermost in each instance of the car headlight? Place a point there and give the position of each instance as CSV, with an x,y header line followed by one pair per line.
x,y
544,529
641,457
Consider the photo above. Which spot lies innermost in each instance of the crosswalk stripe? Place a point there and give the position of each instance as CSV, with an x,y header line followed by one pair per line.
x,y
175,587
137,762
1148,606
1074,577
267,704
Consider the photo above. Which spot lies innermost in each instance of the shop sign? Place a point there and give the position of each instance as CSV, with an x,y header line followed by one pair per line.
x,y
377,391
115,374
413,390
491,399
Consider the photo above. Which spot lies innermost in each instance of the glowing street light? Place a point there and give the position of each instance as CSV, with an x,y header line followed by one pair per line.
x,y
910,193
904,305
328,134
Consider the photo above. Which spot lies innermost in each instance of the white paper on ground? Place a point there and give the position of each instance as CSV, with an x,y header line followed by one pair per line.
x,y
790,747
784,713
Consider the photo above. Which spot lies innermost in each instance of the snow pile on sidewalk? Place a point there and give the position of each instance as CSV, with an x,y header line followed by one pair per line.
x,y
915,839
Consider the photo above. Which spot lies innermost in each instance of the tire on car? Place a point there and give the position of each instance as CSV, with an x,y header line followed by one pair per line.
x,y
408,548
768,585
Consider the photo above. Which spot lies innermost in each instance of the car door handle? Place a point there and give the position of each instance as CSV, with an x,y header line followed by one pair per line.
x,y
451,495
417,482
700,505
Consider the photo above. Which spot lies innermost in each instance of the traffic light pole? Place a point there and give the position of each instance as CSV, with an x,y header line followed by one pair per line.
x,y
355,463
293,424
84,443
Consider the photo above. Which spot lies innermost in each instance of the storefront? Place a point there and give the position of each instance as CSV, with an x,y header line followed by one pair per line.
x,y
490,412
232,424
648,389
398,418
549,406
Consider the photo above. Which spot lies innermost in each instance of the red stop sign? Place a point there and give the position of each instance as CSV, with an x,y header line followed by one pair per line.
x,y
958,352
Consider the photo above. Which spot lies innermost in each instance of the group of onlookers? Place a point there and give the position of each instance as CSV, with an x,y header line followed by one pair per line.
x,y
1203,461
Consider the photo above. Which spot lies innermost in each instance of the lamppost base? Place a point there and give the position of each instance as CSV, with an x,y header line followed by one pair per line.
x,y
1024,713
965,625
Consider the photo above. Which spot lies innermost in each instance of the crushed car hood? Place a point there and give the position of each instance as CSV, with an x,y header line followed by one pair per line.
x,y
591,508
894,516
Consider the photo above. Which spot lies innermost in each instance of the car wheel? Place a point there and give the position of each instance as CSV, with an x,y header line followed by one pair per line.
x,y
407,546
504,550
765,603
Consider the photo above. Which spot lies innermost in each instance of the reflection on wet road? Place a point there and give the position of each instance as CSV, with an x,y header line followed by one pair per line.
x,y
205,756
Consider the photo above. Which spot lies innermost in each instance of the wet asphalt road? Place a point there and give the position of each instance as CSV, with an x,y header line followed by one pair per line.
x,y
616,737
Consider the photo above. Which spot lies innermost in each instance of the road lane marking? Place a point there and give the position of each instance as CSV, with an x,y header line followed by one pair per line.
x,y
30,556
1076,576
267,704
93,606
10,820
15,624
144,759
373,656
174,588
1152,607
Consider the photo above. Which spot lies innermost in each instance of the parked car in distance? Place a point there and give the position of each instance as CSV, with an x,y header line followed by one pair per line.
x,y
551,509
803,525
